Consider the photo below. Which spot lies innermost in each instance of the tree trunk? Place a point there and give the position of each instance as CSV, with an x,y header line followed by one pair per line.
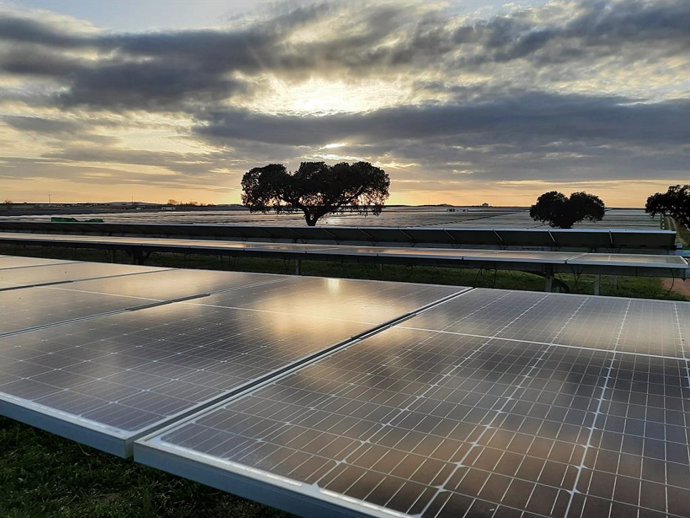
x,y
310,219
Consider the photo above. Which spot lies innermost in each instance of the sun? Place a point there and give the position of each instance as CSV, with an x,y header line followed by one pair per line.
x,y
319,97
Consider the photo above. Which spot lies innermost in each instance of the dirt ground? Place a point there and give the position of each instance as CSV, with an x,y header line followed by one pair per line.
x,y
679,286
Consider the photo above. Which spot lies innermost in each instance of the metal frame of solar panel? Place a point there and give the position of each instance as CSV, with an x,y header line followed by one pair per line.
x,y
493,403
541,262
107,380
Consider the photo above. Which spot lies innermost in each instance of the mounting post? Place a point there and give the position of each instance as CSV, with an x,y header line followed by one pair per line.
x,y
597,284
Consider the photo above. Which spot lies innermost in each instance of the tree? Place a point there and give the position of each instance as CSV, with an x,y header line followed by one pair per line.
x,y
675,202
316,189
561,211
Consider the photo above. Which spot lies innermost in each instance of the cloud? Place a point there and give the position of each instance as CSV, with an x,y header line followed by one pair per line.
x,y
573,89
518,118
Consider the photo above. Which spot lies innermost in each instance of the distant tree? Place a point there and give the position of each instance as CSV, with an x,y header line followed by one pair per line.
x,y
675,202
316,189
561,211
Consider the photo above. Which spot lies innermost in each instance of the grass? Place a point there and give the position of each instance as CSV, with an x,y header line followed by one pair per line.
x,y
45,476
682,232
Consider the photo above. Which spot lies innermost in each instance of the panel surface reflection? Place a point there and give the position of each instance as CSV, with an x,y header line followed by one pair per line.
x,y
438,424
9,261
133,369
67,272
348,299
419,423
174,284
607,323
33,307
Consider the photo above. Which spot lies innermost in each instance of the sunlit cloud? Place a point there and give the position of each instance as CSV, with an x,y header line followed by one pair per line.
x,y
456,104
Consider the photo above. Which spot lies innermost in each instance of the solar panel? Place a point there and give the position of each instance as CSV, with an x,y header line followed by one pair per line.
x,y
66,272
36,307
174,284
104,381
348,299
607,323
8,261
42,306
443,423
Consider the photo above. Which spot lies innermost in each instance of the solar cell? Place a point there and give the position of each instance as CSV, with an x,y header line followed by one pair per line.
x,y
468,417
104,381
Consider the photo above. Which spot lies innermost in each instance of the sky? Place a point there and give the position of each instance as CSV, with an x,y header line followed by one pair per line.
x,y
461,102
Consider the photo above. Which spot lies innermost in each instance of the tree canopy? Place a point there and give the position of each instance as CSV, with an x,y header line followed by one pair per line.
x,y
675,202
559,210
316,189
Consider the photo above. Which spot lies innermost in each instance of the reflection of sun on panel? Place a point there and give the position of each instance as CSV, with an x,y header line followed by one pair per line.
x,y
363,305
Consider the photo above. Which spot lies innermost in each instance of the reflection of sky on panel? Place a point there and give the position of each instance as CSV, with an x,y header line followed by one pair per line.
x,y
31,307
408,418
132,369
172,284
346,299
68,272
8,261
625,325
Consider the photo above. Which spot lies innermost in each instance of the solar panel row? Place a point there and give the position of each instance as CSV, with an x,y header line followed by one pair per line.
x,y
108,378
339,396
565,262
486,405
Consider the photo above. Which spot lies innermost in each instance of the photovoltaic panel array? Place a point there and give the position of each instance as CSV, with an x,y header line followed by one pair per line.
x,y
493,403
106,380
